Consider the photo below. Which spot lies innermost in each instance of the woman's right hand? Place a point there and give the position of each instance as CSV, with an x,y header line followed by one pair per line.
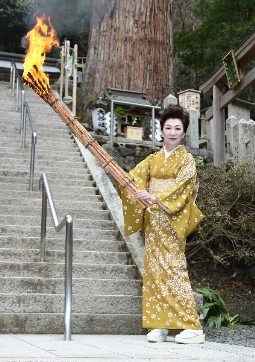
x,y
145,195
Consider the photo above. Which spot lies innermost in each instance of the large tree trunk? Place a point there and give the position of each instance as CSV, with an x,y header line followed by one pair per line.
x,y
130,47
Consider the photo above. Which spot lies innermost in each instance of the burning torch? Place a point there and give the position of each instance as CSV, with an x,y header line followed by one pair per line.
x,y
41,39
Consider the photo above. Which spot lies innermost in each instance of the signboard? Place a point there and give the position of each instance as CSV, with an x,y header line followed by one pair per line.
x,y
190,99
231,70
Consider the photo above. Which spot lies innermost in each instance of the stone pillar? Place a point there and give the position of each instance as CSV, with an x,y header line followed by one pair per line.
x,y
231,142
235,140
240,109
209,134
246,140
192,137
206,133
218,127
169,100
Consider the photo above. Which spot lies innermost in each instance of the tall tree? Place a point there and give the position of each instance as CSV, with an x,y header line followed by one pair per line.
x,y
130,47
184,21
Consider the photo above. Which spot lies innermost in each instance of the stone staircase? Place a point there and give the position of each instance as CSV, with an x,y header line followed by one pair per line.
x,y
106,284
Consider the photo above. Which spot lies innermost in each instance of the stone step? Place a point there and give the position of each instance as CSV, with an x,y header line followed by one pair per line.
x,y
54,303
33,220
48,112
106,286
87,213
43,323
13,162
57,270
56,256
39,115
59,244
81,286
48,143
46,130
6,157
5,86
17,151
57,192
11,126
61,182
48,169
31,231
94,201
55,124
52,133
15,174
55,189
10,106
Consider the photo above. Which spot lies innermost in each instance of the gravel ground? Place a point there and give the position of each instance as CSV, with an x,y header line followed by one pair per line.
x,y
239,335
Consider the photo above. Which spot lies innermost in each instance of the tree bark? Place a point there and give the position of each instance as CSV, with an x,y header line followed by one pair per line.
x,y
130,47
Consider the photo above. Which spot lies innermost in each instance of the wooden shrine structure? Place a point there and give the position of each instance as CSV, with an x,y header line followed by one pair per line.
x,y
215,86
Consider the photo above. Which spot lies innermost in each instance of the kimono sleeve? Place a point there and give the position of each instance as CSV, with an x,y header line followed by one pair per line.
x,y
133,213
178,196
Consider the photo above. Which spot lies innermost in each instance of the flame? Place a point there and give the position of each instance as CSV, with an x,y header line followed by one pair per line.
x,y
41,39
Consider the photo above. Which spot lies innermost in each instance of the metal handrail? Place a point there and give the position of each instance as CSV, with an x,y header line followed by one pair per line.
x,y
33,142
68,222
19,85
24,112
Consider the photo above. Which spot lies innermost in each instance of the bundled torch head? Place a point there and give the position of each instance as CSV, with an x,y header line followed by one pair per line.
x,y
41,39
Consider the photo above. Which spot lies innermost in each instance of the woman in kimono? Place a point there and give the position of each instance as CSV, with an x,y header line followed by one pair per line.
x,y
168,180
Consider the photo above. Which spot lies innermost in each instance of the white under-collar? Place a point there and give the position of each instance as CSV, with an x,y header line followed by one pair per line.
x,y
168,153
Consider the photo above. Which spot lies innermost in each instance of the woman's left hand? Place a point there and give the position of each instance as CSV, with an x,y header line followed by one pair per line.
x,y
145,195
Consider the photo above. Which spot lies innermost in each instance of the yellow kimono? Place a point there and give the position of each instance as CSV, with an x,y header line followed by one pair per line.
x,y
168,300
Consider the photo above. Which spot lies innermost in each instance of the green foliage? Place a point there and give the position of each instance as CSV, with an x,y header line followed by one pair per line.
x,y
119,112
248,323
227,199
91,97
219,26
70,18
13,15
214,309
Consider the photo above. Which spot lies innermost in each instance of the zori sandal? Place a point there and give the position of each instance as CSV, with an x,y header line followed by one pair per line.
x,y
157,335
190,336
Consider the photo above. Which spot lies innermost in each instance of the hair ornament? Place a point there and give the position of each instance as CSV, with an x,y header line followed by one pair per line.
x,y
185,111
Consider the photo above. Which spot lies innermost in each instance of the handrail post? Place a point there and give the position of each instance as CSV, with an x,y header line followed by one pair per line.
x,y
112,123
17,95
68,222
25,111
68,276
23,117
13,80
32,160
153,128
11,74
43,220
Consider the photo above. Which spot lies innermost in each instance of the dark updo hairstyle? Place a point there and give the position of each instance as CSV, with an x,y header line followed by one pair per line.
x,y
175,111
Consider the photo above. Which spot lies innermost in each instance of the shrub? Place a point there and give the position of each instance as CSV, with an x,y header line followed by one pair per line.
x,y
214,309
227,199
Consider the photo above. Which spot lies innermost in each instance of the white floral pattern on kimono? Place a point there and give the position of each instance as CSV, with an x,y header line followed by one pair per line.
x,y
168,300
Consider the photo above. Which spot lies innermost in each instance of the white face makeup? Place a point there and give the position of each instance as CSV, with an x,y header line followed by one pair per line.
x,y
173,133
